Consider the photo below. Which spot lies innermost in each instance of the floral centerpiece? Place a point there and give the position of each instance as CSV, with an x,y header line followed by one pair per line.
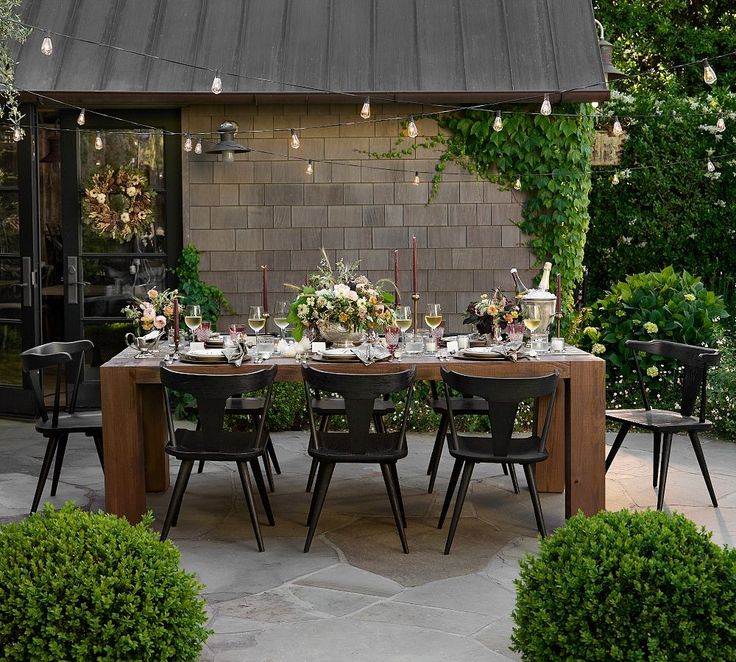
x,y
340,299
493,312
154,313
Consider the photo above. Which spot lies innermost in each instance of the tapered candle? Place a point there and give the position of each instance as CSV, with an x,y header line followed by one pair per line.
x,y
264,295
176,320
558,294
414,281
396,276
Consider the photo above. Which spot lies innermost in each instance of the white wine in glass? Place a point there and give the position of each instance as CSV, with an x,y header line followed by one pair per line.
x,y
532,323
192,318
256,319
281,315
433,315
403,320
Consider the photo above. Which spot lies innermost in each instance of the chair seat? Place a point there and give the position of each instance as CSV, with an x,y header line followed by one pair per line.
x,y
244,405
480,449
658,419
88,422
226,446
460,406
335,447
336,406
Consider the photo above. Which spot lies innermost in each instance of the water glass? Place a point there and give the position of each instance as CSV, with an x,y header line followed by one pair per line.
x,y
393,333
515,332
236,332
265,347
203,332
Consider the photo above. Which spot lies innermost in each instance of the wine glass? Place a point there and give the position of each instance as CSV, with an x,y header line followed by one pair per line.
x,y
433,315
281,315
256,319
192,318
403,320
532,320
392,334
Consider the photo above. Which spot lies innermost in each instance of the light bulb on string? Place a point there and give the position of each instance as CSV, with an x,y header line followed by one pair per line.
x,y
46,46
365,111
295,142
198,146
98,141
594,104
310,167
17,133
709,74
615,179
710,166
81,119
188,143
517,183
411,128
216,83
546,108
617,128
721,123
416,178
498,122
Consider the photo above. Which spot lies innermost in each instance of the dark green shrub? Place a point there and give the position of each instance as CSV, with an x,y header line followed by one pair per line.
x,y
82,586
627,586
722,388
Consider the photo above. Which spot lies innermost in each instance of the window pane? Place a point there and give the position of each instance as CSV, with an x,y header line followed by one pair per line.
x,y
108,339
10,348
10,290
9,222
8,160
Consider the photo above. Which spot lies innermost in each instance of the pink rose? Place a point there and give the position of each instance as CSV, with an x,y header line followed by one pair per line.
x,y
159,322
152,293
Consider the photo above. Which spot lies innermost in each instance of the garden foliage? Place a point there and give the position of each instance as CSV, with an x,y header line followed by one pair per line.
x,y
82,586
627,586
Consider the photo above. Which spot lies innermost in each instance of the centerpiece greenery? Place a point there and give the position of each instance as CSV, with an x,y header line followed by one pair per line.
x,y
154,313
340,297
493,311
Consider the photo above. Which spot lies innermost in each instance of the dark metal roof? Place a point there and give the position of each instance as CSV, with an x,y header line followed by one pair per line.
x,y
463,50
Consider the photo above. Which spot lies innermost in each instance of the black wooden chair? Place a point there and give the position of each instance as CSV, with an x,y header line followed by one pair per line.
x,y
212,442
694,362
463,405
358,444
67,358
502,396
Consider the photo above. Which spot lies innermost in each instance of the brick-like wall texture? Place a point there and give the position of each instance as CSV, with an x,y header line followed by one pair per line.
x,y
265,209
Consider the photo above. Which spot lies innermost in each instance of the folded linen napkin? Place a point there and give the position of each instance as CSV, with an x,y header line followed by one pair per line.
x,y
236,354
514,351
370,353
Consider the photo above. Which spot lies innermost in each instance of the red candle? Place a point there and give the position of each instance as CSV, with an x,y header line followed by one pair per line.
x,y
264,296
396,276
176,320
414,282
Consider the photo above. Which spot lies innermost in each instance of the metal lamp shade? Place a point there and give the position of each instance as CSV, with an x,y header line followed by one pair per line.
x,y
227,147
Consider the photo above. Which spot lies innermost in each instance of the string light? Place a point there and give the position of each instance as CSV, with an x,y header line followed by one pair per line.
x,y
594,104
546,108
710,167
310,167
617,128
98,141
411,129
17,133
81,118
721,123
614,179
295,142
198,146
217,83
517,183
46,46
365,111
709,74
416,178
498,122
188,143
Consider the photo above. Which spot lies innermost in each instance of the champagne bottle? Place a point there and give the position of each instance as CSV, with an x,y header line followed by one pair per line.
x,y
519,288
544,281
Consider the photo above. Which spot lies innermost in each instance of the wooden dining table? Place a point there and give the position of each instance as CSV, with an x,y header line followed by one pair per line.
x,y
134,422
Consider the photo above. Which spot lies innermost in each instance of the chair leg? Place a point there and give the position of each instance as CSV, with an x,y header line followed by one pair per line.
x,y
450,490
514,479
272,455
656,448
395,475
323,423
695,441
258,476
248,492
396,507
505,468
60,450
100,450
529,473
200,467
269,473
436,456
324,475
459,501
176,497
47,458
617,444
665,465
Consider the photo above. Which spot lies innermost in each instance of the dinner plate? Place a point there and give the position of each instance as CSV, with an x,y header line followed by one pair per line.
x,y
337,352
204,356
484,353
336,357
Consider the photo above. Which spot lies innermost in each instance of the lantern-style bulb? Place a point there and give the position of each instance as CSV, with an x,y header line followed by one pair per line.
x,y
216,83
365,111
546,108
17,133
615,179
617,128
295,142
310,167
498,122
711,167
98,141
416,178
228,156
721,123
198,146
188,143
411,129
594,104
517,183
46,46
709,74
81,119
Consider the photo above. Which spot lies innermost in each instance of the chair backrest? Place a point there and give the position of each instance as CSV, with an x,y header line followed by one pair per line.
x,y
503,395
67,358
693,359
359,393
212,390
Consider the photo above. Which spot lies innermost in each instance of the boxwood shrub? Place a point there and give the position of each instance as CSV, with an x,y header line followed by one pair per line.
x,y
627,586
82,586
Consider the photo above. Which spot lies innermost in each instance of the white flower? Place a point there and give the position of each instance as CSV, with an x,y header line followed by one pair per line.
x,y
689,296
125,217
352,295
651,327
342,291
159,322
131,191
652,372
101,197
598,348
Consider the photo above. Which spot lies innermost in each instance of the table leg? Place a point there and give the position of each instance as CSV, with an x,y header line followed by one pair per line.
x,y
550,474
153,416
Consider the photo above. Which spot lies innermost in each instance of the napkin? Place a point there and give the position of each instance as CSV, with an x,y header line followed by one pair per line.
x,y
514,351
235,355
369,353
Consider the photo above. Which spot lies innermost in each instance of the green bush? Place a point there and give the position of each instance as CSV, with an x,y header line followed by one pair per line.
x,y
661,305
82,586
627,586
722,388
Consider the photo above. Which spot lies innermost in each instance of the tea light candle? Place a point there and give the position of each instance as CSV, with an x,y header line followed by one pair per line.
x,y
430,345
557,344
463,342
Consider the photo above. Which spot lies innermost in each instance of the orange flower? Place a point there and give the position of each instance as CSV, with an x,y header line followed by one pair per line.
x,y
492,309
343,317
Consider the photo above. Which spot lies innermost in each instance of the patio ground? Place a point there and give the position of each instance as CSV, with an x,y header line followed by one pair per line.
x,y
355,595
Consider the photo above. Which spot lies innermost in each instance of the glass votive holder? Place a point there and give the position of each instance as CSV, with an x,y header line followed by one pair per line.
x,y
463,342
415,342
557,345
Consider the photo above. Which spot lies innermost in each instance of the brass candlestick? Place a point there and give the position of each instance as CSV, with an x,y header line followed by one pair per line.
x,y
415,302
558,318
